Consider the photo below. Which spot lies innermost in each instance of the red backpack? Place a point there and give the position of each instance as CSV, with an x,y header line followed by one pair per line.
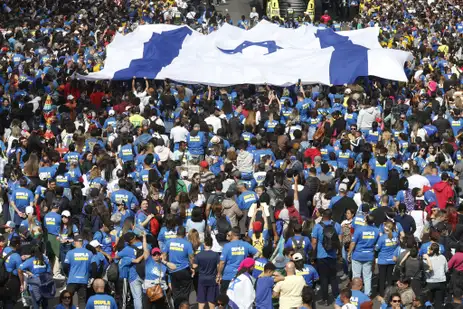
x,y
154,226
294,213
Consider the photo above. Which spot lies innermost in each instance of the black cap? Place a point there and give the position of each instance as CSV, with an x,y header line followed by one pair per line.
x,y
366,208
78,238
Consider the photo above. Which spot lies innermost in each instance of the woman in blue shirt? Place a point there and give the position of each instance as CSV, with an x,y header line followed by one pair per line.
x,y
65,300
343,155
386,246
67,232
34,266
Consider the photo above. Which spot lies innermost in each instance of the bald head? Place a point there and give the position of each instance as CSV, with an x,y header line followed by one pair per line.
x,y
290,268
98,286
357,284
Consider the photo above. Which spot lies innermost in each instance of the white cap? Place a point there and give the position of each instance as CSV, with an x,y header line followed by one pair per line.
x,y
348,91
111,112
29,210
70,97
95,243
184,174
215,140
342,187
406,166
66,213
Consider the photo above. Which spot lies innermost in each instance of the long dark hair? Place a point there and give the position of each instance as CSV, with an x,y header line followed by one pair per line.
x,y
61,297
38,254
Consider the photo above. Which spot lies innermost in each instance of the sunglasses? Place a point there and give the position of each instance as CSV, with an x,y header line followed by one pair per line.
x,y
67,297
396,300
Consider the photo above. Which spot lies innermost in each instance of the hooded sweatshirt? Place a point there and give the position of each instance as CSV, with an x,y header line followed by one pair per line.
x,y
245,162
366,117
232,211
443,191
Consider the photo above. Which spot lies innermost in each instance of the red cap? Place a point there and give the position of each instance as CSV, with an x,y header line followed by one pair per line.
x,y
204,164
155,250
257,226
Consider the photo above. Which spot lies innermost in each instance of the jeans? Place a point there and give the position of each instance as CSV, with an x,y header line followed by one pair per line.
x,y
328,275
136,287
36,304
345,263
363,270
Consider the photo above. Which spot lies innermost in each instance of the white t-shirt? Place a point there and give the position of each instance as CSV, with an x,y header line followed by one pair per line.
x,y
214,122
417,181
349,306
178,134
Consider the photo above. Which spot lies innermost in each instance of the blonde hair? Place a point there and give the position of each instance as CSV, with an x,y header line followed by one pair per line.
x,y
95,172
31,167
388,228
193,237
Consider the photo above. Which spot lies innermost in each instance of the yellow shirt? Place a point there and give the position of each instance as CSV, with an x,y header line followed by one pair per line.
x,y
290,291
136,120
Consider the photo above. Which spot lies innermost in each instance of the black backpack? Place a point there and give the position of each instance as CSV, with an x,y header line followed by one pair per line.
x,y
112,273
140,267
223,227
4,274
298,246
330,237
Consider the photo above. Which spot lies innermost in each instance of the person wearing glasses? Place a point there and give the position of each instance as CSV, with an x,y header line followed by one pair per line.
x,y
65,301
395,302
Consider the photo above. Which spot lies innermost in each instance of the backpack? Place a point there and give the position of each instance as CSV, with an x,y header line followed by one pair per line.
x,y
409,201
154,226
223,227
140,267
112,273
298,246
258,243
330,237
4,274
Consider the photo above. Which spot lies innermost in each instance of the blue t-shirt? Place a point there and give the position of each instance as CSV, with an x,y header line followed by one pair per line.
x,y
79,260
264,288
105,240
13,262
233,254
365,238
179,251
101,301
126,153
35,267
164,234
357,298
246,199
317,233
52,222
154,270
259,267
386,248
22,198
306,244
125,197
309,273
424,248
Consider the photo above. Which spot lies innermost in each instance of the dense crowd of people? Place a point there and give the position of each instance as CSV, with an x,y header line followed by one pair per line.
x,y
157,194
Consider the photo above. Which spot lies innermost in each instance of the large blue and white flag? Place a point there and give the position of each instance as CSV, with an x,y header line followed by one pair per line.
x,y
265,54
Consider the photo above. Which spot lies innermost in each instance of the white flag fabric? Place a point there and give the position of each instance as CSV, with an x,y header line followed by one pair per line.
x,y
265,54
241,292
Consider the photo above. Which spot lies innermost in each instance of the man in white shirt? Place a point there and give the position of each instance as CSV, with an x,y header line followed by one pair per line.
x,y
144,95
289,291
214,121
178,133
416,180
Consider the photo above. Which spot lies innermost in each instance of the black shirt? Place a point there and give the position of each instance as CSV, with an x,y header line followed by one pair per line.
x,y
207,262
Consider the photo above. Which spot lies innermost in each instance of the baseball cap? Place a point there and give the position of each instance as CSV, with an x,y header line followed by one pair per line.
x,y
9,224
29,210
297,257
406,167
155,250
66,214
184,174
95,243
257,226
111,112
78,238
204,164
70,97
247,263
342,187
197,126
